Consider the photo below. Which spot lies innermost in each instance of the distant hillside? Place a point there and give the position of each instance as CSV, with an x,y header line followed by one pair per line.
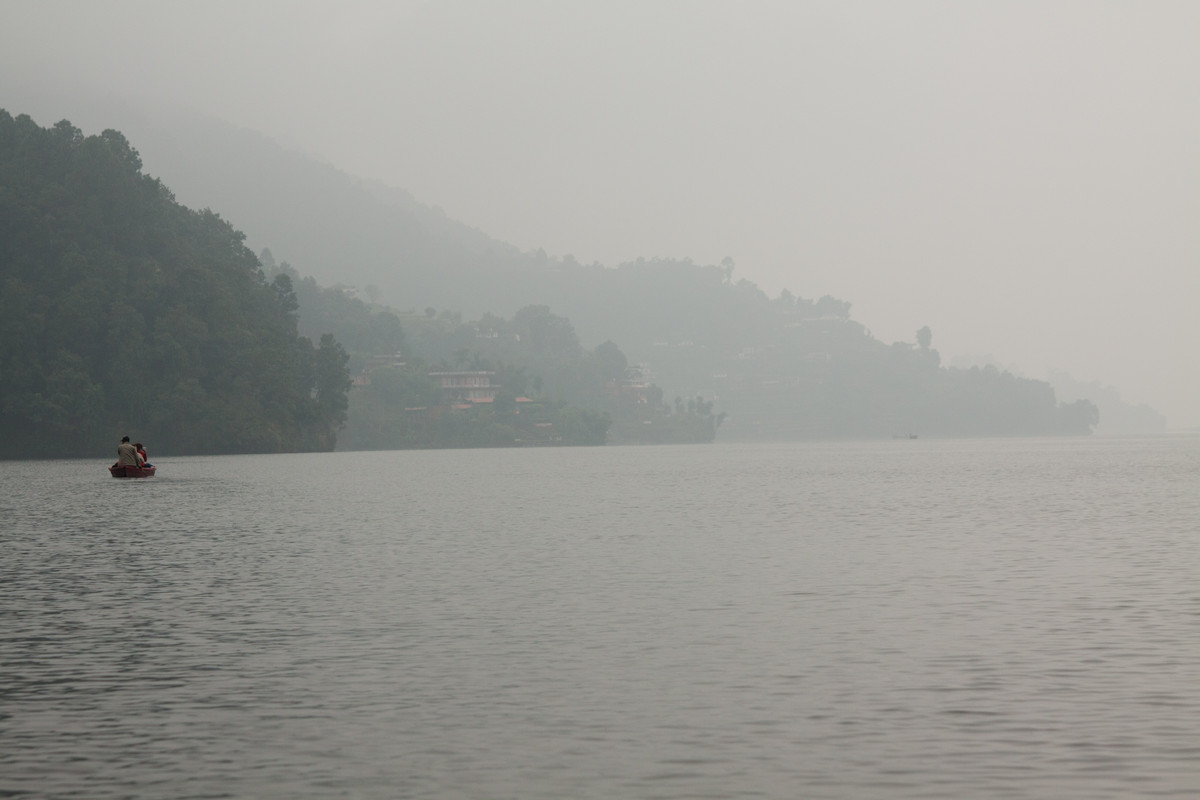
x,y
335,227
782,367
1116,416
123,312
344,230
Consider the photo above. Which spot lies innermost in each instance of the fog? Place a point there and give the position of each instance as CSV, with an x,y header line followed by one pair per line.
x,y
1023,178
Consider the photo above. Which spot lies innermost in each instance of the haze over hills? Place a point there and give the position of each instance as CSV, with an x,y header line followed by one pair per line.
x,y
1018,177
694,326
340,229
352,231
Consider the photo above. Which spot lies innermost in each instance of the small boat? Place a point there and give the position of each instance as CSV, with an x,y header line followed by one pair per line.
x,y
131,472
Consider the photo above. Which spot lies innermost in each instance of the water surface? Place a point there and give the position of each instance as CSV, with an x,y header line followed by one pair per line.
x,y
901,619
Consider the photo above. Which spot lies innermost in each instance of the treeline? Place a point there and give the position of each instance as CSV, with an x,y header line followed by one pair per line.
x,y
851,386
779,366
124,312
789,366
402,407
769,368
550,390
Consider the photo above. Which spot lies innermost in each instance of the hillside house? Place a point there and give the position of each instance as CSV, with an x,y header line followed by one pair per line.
x,y
473,386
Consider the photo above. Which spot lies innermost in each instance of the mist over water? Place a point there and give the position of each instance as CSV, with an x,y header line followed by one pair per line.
x,y
979,618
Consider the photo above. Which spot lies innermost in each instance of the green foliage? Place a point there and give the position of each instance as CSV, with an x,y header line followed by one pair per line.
x,y
124,312
1078,418
691,422
332,381
794,368
538,352
117,312
392,412
581,426
364,329
401,407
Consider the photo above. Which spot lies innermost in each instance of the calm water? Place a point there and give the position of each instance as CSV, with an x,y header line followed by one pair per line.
x,y
898,619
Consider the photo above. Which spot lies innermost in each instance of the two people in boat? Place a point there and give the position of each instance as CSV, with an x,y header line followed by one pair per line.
x,y
131,455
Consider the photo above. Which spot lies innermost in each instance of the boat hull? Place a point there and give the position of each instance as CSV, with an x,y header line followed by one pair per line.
x,y
131,472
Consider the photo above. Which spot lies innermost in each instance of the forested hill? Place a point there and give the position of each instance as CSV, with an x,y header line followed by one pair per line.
x,y
123,312
123,308
335,227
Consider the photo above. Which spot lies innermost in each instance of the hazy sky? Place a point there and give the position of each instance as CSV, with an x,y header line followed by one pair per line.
x,y
1023,177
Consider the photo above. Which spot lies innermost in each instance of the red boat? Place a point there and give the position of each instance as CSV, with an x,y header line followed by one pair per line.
x,y
131,472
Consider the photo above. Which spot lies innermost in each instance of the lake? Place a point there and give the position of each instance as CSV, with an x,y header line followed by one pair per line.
x,y
999,618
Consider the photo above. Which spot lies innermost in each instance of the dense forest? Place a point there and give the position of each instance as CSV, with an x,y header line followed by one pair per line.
x,y
123,312
781,366
758,367
790,367
767,368
549,389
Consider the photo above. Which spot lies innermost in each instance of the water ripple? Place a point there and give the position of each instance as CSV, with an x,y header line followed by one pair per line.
x,y
984,619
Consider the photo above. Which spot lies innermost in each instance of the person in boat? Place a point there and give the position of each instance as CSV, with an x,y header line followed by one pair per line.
x,y
127,454
141,451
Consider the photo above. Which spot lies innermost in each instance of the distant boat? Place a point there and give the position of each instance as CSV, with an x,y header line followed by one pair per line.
x,y
909,436
119,471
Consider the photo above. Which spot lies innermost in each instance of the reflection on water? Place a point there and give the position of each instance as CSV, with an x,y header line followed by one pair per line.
x,y
902,619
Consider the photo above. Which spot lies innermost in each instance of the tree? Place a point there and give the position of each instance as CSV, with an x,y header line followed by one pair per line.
x,y
504,404
122,310
547,333
332,381
282,284
610,362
